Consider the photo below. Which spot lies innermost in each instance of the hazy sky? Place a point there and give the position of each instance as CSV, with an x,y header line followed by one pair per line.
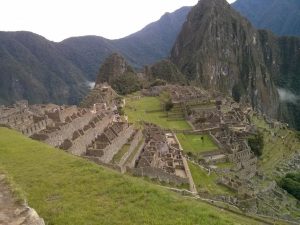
x,y
60,19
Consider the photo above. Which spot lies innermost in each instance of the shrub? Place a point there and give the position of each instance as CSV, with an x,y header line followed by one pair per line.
x,y
256,143
126,84
169,105
291,183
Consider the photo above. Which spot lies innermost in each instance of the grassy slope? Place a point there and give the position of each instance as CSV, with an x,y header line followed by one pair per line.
x,y
65,189
136,111
205,182
193,143
276,148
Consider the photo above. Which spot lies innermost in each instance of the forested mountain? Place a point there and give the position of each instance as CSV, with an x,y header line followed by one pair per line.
x,y
280,16
34,68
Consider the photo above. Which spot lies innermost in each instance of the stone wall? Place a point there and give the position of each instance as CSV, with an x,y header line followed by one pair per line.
x,y
136,156
117,144
240,156
161,175
35,128
133,145
66,131
216,141
80,144
99,162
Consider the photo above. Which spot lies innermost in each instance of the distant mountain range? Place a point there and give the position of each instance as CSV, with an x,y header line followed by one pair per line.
x,y
34,68
280,16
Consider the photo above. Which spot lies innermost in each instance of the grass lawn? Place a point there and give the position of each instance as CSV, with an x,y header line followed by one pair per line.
x,y
117,157
194,144
68,190
205,182
136,111
225,165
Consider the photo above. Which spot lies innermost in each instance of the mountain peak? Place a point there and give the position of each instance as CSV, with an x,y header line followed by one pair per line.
x,y
219,49
114,66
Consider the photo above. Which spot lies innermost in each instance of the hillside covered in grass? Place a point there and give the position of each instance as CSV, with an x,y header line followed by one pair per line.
x,y
65,189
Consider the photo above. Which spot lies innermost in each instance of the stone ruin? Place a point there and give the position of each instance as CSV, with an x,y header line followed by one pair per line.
x,y
105,145
161,157
66,127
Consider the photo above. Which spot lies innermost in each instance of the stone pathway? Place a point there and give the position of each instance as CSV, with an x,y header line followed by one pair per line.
x,y
12,213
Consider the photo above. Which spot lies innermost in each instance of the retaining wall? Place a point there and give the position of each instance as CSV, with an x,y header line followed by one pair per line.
x,y
116,144
156,173
80,144
133,145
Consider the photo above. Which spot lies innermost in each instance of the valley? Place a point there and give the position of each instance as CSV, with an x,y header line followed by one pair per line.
x,y
192,120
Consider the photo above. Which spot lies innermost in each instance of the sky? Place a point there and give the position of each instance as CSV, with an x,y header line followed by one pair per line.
x,y
59,19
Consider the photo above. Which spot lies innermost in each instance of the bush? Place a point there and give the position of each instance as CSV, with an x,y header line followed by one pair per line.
x,y
256,143
121,111
126,84
291,183
158,82
237,92
169,105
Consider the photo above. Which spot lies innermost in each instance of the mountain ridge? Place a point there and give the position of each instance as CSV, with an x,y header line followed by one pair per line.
x,y
74,61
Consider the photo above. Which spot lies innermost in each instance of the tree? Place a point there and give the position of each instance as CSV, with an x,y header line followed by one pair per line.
x,y
291,183
256,143
169,105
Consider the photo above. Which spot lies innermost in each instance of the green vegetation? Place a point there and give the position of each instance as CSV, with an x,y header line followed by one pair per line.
x,y
279,144
291,183
169,105
195,143
256,143
225,165
167,71
126,84
149,109
207,183
158,82
237,92
130,158
67,190
117,157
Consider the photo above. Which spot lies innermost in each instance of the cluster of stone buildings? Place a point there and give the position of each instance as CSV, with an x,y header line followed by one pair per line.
x,y
161,157
228,124
69,128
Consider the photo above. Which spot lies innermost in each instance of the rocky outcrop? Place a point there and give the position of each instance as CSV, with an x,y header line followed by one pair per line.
x,y
114,66
119,74
11,212
165,70
219,49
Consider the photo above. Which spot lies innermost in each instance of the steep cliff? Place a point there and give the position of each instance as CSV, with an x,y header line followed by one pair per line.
x,y
219,49
282,57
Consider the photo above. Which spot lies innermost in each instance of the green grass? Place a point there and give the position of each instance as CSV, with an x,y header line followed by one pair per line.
x,y
194,144
68,190
136,111
117,157
225,165
130,158
276,148
207,183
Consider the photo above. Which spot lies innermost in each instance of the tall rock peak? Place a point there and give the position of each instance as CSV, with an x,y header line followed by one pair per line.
x,y
114,66
219,49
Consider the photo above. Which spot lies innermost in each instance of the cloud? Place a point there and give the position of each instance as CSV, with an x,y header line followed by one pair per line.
x,y
287,96
90,84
